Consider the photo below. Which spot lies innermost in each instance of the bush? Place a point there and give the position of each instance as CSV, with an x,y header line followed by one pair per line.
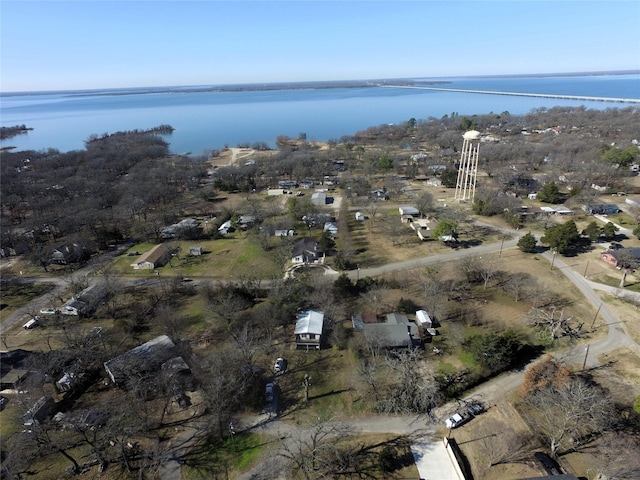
x,y
406,305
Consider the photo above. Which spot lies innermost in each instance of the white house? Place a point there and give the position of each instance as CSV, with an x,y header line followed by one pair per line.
x,y
309,327
156,257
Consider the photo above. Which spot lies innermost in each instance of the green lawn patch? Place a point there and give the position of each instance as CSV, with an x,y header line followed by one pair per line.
x,y
17,294
220,458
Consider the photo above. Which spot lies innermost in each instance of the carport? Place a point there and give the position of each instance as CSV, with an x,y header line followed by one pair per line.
x,y
435,461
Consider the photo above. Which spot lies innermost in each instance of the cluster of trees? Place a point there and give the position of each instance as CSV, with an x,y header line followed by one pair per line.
x,y
8,132
121,185
570,412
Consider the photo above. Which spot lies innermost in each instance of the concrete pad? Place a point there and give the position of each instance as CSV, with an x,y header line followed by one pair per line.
x,y
435,462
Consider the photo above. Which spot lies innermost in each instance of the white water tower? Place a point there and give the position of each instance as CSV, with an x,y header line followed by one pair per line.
x,y
468,171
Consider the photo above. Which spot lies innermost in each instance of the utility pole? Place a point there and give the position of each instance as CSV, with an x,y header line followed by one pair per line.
x,y
596,316
584,364
585,269
553,259
306,382
501,245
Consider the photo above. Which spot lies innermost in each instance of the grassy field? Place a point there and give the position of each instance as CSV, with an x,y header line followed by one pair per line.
x,y
227,258
15,295
224,458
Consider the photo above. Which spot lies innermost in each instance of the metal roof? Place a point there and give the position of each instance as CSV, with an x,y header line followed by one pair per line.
x,y
310,322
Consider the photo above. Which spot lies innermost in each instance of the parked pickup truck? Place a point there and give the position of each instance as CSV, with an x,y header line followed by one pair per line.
x,y
460,418
457,419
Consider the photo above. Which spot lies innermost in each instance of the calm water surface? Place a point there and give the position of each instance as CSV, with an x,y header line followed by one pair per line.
x,y
211,120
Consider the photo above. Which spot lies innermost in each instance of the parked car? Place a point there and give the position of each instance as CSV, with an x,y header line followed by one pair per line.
x,y
3,402
280,365
457,419
33,323
475,408
69,311
268,392
49,311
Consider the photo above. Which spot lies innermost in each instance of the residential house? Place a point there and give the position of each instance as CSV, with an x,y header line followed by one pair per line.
x,y
379,194
309,329
421,227
618,258
287,184
408,210
305,250
69,253
393,331
67,382
13,379
144,358
601,209
246,221
87,301
189,228
225,228
331,227
156,257
40,411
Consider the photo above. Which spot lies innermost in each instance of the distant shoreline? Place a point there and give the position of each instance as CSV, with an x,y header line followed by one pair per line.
x,y
299,85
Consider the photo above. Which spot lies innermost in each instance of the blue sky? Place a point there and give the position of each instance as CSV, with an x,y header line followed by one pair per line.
x,y
55,45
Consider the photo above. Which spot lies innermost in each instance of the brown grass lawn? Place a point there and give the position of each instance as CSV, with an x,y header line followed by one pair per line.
x,y
472,438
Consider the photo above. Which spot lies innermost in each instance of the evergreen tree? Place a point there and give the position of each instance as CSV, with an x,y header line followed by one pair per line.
x,y
550,193
592,231
609,231
562,237
528,243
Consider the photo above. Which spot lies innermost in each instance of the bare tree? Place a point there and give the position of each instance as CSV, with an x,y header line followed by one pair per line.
x,y
502,444
376,298
309,451
618,455
409,388
568,415
518,285
551,320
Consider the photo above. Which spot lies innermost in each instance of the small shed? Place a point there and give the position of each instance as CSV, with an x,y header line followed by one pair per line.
x,y
195,251
13,378
408,210
319,198
423,319
359,216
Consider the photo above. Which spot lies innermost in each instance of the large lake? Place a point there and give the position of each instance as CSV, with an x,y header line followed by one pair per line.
x,y
206,120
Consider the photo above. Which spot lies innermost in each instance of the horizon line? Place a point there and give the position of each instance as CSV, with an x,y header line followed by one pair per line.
x,y
321,82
